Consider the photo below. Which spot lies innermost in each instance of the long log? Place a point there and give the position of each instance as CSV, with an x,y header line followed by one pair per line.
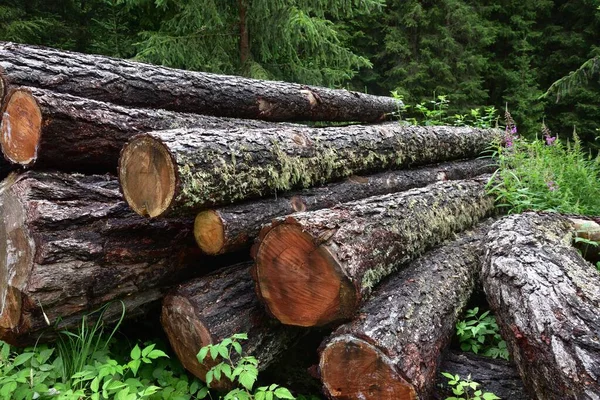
x,y
149,86
391,351
234,227
60,131
69,244
494,375
186,170
214,307
546,299
314,268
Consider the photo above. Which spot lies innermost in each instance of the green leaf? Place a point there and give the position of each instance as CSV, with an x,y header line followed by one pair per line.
x,y
202,393
154,354
283,393
237,347
95,385
490,396
240,336
147,350
202,354
22,358
247,379
209,377
214,352
136,353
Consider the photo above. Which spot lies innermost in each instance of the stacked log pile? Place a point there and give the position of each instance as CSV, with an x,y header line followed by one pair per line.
x,y
135,183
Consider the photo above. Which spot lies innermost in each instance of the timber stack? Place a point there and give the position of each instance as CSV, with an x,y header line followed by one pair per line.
x,y
133,184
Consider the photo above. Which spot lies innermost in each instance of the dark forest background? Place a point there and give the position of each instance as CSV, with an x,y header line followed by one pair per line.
x,y
502,52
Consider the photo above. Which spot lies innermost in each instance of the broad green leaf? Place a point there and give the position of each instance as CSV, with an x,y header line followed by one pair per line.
x,y
283,393
202,354
135,353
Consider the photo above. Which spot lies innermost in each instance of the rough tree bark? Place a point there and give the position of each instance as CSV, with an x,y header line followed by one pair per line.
x,y
546,299
149,86
392,350
234,227
186,170
494,375
314,268
214,307
69,243
60,131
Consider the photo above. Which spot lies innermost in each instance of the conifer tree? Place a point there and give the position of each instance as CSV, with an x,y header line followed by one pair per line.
x,y
295,40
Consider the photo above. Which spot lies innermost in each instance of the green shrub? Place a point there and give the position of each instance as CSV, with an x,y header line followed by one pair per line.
x,y
480,334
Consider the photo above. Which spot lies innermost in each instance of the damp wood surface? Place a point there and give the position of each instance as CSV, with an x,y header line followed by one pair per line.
x,y
209,309
314,268
392,349
186,170
546,299
46,129
69,244
231,228
149,86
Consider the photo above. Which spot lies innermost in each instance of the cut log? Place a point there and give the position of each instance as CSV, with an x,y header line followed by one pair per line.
x,y
546,299
314,268
391,351
209,309
69,244
60,131
186,170
494,375
234,227
149,86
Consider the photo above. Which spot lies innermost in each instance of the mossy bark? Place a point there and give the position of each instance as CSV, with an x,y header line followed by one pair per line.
x,y
405,326
495,376
546,299
241,223
357,244
218,167
78,134
209,309
69,244
150,86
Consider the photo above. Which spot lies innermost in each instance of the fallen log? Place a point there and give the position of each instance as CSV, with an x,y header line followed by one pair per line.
x,y
214,307
391,351
69,244
314,268
60,131
185,170
546,299
149,86
494,375
234,227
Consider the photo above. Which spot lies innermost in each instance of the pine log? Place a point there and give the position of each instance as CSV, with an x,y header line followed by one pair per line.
x,y
60,131
149,86
234,227
313,268
186,170
391,351
214,307
546,299
494,375
69,244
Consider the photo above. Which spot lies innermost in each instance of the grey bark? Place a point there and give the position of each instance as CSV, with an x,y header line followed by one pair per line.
x,y
149,86
222,167
69,244
242,222
411,318
546,299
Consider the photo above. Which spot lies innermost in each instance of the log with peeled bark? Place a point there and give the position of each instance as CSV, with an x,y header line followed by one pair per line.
x,y
496,376
546,299
186,170
69,244
60,131
149,86
392,349
209,309
313,268
234,227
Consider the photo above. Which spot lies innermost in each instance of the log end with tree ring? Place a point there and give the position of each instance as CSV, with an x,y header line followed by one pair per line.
x,y
147,174
21,127
209,232
187,335
301,282
354,369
